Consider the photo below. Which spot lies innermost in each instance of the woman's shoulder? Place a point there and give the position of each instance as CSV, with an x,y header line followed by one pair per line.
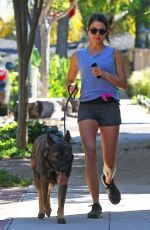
x,y
81,50
74,56
110,48
114,51
78,52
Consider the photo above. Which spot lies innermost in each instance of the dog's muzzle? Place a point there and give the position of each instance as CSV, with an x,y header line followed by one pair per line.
x,y
62,178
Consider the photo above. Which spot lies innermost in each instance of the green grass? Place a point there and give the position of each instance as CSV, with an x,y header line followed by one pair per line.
x,y
7,179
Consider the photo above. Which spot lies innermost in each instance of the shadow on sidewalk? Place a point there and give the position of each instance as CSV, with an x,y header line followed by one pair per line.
x,y
137,219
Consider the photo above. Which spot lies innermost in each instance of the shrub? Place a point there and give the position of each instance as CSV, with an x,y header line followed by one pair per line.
x,y
13,78
8,147
35,57
36,128
7,179
57,77
139,83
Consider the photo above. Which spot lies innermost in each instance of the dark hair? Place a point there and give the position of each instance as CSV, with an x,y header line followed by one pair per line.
x,y
101,18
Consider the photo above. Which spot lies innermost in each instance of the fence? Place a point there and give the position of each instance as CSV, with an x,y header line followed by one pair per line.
x,y
141,58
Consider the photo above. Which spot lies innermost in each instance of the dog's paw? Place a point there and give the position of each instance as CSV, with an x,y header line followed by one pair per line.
x,y
61,220
48,211
41,215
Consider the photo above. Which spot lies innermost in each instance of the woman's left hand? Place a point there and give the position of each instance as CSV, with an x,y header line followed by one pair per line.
x,y
97,71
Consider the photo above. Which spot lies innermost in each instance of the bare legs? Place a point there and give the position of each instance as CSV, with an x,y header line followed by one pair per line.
x,y
88,130
109,137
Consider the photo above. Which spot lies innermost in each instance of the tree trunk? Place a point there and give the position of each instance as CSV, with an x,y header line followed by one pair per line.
x,y
37,40
22,105
24,44
22,37
137,27
45,28
62,37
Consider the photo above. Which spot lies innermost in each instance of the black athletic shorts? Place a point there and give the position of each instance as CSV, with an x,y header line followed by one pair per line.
x,y
106,113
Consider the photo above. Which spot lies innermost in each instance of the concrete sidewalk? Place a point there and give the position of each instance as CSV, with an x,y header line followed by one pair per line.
x,y
132,177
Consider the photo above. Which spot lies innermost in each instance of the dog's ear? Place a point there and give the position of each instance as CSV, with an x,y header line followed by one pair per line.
x,y
67,137
50,141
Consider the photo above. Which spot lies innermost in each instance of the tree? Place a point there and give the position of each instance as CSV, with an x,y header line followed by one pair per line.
x,y
51,12
140,11
62,36
25,28
62,33
137,12
6,28
86,8
107,7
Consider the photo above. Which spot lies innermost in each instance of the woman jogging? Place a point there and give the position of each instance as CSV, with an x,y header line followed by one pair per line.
x,y
102,73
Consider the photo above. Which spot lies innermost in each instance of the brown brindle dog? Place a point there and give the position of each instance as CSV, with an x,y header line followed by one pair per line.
x,y
51,162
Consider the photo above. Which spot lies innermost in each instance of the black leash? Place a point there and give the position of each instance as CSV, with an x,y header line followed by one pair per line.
x,y
70,98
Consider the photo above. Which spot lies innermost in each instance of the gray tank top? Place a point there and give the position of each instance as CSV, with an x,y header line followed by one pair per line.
x,y
91,87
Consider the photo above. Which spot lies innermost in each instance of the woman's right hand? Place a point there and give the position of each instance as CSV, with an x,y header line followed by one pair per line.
x,y
72,73
73,89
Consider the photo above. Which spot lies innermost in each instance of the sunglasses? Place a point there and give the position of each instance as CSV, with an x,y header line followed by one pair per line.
x,y
95,30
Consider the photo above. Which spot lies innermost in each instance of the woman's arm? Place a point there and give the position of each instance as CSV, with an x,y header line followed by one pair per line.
x,y
119,80
72,73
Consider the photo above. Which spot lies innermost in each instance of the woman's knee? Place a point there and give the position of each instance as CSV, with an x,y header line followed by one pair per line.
x,y
90,155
